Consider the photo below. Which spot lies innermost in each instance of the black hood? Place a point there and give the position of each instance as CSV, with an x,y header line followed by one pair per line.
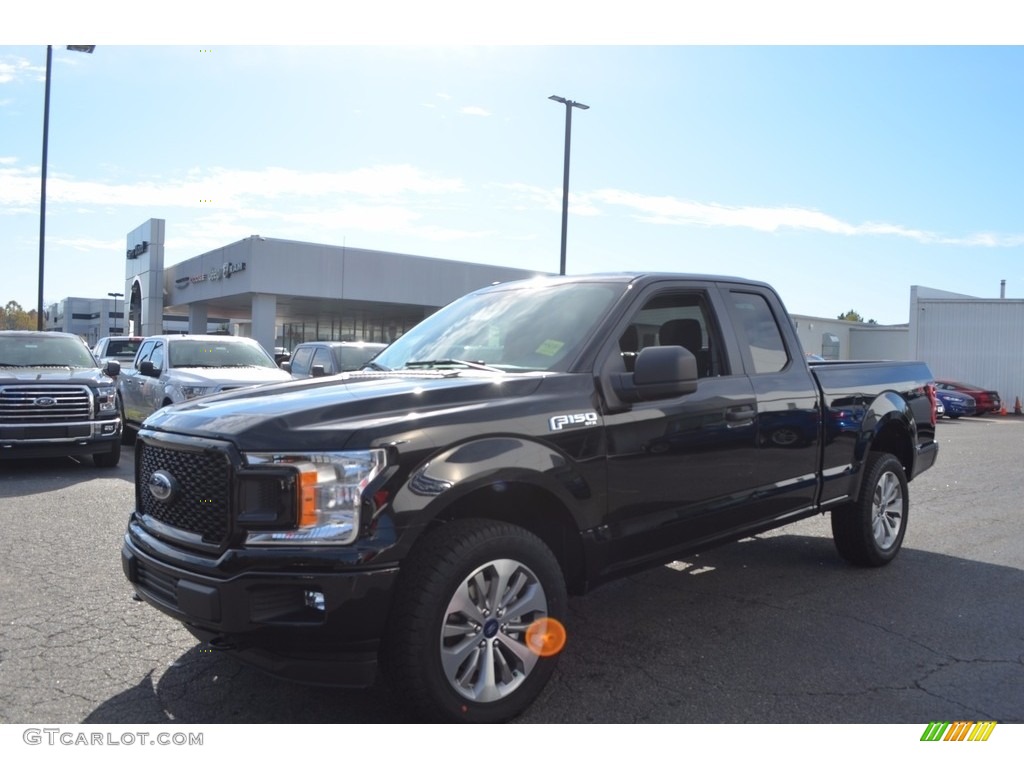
x,y
325,414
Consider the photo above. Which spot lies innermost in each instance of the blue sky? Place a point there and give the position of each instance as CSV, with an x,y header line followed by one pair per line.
x,y
840,174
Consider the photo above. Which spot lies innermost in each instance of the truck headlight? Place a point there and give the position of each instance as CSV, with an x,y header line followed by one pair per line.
x,y
191,392
329,491
105,397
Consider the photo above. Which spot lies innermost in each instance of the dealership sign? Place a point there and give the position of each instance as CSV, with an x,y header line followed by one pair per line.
x,y
138,250
225,271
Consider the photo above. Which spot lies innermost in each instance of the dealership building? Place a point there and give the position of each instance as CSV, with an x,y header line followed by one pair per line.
x,y
283,292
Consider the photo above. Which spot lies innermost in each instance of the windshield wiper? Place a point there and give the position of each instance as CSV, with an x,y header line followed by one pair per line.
x,y
452,361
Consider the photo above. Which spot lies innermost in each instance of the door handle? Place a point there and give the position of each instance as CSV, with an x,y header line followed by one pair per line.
x,y
741,413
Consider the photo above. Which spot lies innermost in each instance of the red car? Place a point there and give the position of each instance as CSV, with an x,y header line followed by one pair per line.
x,y
986,400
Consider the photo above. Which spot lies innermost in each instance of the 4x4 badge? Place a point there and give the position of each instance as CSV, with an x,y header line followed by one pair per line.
x,y
162,485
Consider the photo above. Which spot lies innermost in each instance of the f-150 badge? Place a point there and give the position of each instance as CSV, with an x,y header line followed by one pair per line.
x,y
558,423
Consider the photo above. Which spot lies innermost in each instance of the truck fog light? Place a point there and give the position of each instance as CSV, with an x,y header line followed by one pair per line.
x,y
315,600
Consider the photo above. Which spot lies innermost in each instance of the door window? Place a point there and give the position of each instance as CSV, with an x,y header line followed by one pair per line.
x,y
302,360
678,318
760,332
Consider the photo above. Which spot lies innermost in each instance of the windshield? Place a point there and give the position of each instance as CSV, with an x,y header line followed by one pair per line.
x,y
44,352
528,327
196,353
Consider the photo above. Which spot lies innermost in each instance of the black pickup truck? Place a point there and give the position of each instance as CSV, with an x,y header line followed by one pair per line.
x,y
529,441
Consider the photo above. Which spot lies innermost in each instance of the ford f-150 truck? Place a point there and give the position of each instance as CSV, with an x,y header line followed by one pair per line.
x,y
528,441
56,399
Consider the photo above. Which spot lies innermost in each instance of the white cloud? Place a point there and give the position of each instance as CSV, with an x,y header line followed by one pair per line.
x,y
222,188
671,210
15,68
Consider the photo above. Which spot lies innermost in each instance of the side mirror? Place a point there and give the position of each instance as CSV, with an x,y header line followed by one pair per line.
x,y
146,368
661,372
316,370
284,365
111,368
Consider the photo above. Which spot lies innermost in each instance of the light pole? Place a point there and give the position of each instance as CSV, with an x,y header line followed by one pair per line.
x,y
114,297
565,175
42,189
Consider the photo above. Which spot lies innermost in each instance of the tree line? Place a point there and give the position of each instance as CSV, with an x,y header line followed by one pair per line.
x,y
15,318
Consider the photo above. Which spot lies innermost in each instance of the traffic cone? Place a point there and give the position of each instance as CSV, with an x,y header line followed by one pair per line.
x,y
1016,407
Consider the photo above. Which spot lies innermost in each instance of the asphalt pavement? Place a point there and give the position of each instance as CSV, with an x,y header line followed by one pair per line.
x,y
773,629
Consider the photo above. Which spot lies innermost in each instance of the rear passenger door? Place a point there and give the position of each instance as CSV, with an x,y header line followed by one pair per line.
x,y
788,415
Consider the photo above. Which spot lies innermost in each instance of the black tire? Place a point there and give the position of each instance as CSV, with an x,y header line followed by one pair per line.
x,y
127,433
870,531
109,458
443,642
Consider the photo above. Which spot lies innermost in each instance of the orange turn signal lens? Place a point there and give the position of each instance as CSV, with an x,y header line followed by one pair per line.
x,y
307,498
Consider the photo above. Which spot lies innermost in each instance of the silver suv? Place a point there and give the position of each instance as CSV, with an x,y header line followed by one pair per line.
x,y
173,369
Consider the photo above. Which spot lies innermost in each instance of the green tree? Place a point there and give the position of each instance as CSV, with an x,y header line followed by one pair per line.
x,y
855,317
14,318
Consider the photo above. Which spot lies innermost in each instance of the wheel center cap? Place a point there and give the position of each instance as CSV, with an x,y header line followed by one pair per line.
x,y
490,628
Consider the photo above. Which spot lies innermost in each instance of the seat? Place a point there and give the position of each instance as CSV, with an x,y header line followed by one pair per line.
x,y
686,333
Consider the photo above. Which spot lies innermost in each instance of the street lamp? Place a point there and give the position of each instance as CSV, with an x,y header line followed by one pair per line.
x,y
565,175
114,297
42,191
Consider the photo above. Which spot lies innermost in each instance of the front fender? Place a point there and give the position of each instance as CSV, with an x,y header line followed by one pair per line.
x,y
490,462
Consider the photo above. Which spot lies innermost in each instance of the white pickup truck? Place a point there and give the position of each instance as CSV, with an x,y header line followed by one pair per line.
x,y
173,369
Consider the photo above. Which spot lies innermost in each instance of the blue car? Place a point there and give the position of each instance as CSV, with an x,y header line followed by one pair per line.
x,y
956,404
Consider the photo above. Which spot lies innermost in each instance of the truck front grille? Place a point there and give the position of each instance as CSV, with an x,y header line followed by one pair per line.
x,y
198,509
44,403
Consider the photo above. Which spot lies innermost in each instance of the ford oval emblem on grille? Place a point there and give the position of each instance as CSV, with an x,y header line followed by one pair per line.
x,y
45,402
162,485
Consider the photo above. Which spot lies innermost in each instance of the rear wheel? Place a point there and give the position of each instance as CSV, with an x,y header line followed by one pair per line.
x,y
459,646
870,531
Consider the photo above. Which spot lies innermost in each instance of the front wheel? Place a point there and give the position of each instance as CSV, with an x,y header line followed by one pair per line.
x,y
127,433
110,458
459,644
870,531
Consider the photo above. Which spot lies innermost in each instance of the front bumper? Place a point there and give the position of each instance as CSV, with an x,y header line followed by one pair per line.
x,y
32,441
313,627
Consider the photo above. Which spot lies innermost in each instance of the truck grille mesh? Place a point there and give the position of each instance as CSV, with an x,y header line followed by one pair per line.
x,y
201,503
44,403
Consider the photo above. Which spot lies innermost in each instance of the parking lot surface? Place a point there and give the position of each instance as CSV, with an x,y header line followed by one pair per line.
x,y
773,629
